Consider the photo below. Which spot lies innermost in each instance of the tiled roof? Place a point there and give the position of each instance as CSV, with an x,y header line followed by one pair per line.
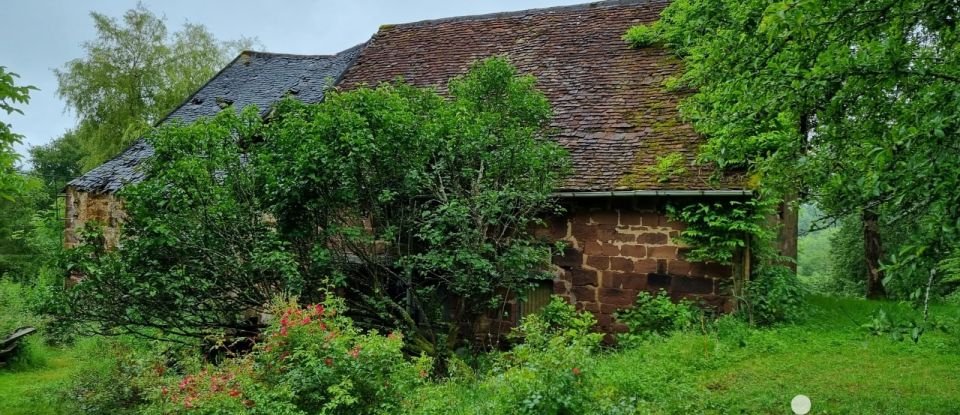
x,y
253,78
611,109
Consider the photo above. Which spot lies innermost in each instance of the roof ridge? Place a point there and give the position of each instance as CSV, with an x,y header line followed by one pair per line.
x,y
499,15
292,55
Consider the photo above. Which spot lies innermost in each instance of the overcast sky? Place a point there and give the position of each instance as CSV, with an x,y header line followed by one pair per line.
x,y
39,35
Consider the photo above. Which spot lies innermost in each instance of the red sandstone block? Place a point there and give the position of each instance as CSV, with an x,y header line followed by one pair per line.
x,y
598,262
560,287
652,238
610,308
616,296
628,218
588,306
583,277
662,252
592,248
606,217
570,257
678,267
608,279
651,219
584,232
633,251
585,293
621,264
631,281
610,250
691,285
645,266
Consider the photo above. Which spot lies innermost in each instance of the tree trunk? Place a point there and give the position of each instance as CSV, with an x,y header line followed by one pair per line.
x,y
787,235
872,251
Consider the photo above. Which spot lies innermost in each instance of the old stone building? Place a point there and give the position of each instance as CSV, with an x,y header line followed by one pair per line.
x,y
612,113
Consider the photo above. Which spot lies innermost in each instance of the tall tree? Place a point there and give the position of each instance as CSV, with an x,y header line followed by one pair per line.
x,y
853,103
416,208
57,162
11,95
133,74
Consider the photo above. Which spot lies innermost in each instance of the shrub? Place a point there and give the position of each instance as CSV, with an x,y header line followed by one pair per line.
x,y
558,322
548,373
116,378
774,295
16,312
656,315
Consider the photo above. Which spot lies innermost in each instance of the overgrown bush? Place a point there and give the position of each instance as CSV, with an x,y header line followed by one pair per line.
x,y
118,376
329,366
656,315
16,311
548,373
774,295
310,360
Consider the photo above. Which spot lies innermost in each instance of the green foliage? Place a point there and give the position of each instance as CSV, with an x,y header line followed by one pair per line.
x,y
117,381
432,197
400,197
667,167
545,374
16,308
716,231
57,162
849,267
656,315
199,253
557,323
328,366
134,73
815,261
803,95
774,295
11,96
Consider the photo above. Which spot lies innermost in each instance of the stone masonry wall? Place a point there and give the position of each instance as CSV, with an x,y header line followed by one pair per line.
x,y
83,207
620,247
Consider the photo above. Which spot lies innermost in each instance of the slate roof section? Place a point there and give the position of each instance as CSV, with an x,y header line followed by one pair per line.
x,y
611,109
252,78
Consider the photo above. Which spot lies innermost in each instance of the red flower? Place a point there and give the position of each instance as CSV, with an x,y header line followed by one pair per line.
x,y
318,309
164,391
355,352
234,393
576,371
328,361
306,320
283,331
186,382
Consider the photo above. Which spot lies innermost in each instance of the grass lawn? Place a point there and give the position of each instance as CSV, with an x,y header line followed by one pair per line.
x,y
25,392
829,358
733,369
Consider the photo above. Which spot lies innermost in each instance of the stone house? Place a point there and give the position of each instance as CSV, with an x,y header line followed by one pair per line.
x,y
612,114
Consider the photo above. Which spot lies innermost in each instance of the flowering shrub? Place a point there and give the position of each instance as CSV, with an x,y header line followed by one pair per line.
x,y
329,366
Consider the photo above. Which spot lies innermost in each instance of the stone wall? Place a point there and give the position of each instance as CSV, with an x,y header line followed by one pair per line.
x,y
618,247
84,207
